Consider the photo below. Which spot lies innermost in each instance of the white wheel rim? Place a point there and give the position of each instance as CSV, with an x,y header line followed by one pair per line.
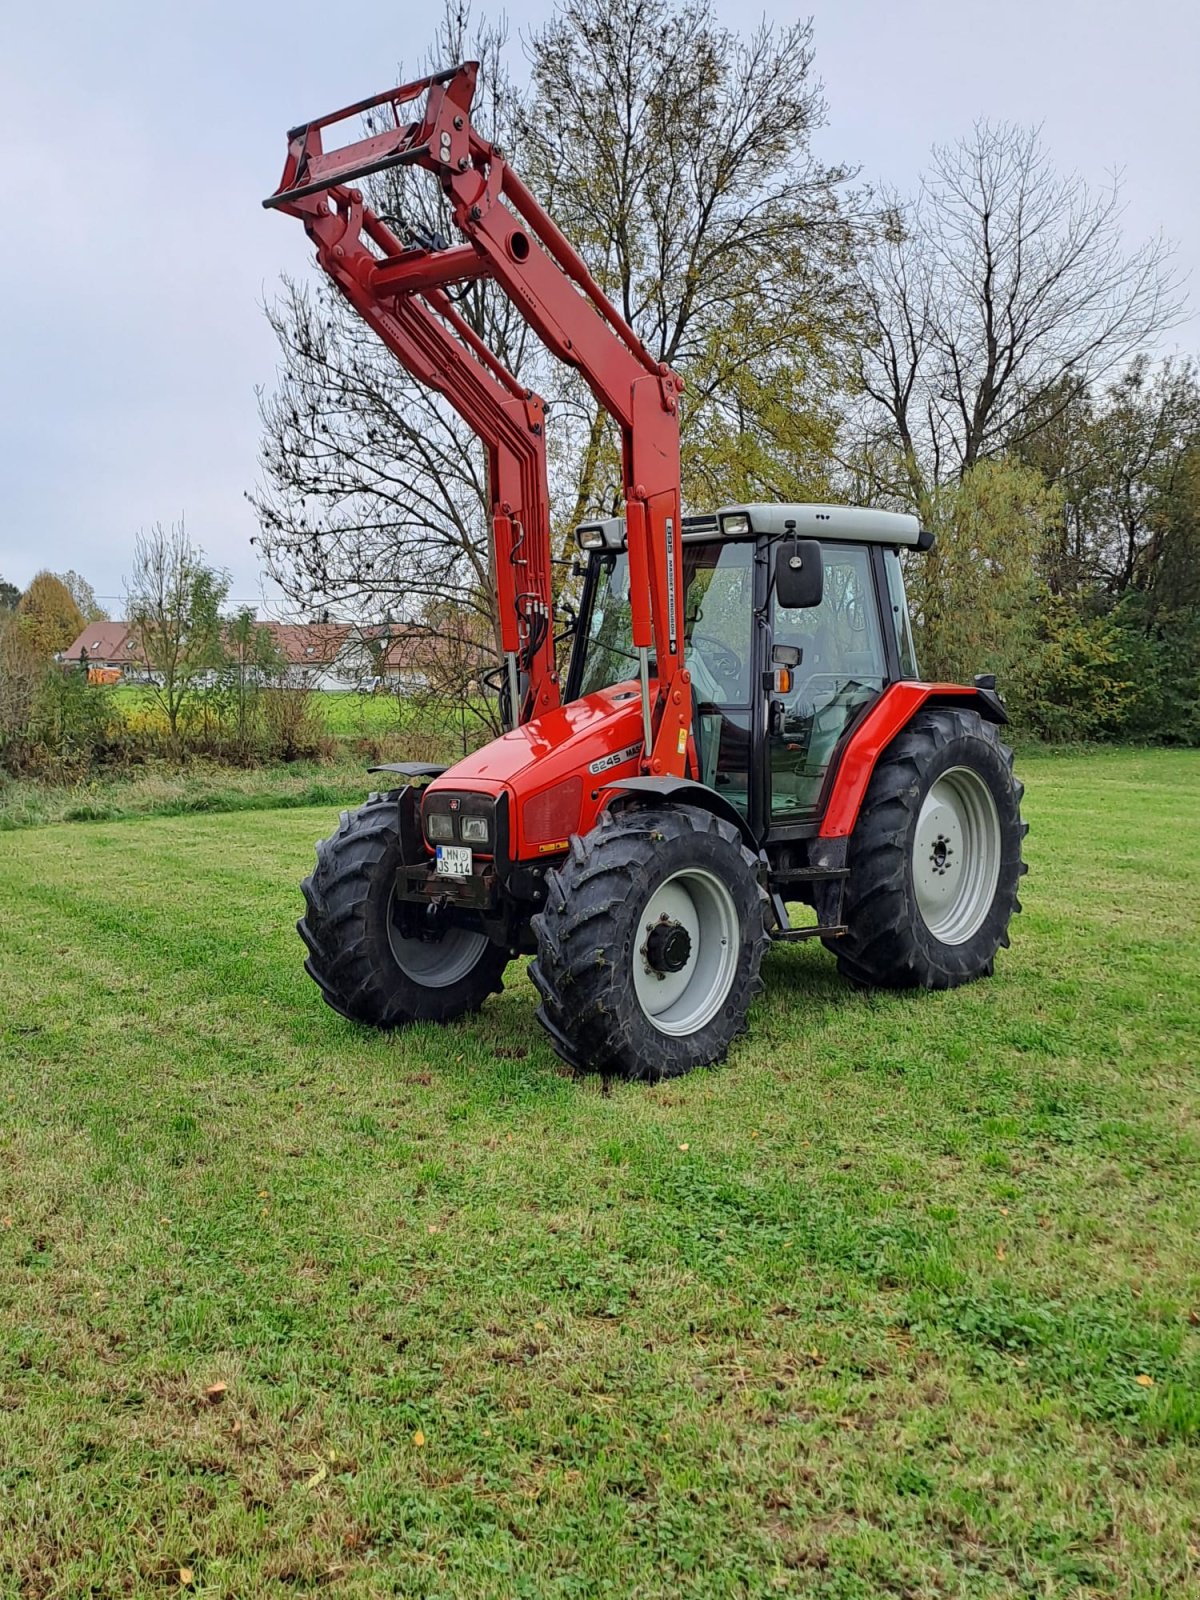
x,y
956,855
436,963
682,1002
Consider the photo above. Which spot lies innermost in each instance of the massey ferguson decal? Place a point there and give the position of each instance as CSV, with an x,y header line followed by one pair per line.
x,y
672,632
617,759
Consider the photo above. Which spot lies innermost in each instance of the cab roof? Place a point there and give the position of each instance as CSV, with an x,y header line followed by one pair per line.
x,y
859,524
811,521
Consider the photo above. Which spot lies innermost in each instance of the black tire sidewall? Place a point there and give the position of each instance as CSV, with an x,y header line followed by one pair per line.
x,y
375,987
628,1027
888,941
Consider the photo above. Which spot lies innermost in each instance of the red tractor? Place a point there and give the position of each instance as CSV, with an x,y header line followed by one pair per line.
x,y
740,724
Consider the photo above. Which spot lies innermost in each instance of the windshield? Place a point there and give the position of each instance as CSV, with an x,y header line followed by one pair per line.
x,y
609,656
718,610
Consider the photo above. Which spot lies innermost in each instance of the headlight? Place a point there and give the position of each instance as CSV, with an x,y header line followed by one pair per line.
x,y
606,535
439,826
736,522
473,830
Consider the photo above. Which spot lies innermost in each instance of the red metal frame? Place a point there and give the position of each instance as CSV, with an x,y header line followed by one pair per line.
x,y
400,291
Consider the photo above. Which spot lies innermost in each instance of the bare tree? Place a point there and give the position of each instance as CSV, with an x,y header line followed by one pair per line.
x,y
1002,284
173,603
83,595
373,500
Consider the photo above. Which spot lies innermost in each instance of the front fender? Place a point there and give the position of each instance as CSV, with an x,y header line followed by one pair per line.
x,y
679,792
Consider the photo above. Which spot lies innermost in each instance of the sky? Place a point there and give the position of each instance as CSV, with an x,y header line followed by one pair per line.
x,y
143,136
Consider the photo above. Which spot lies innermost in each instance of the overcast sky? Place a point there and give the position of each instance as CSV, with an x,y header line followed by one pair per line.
x,y
140,138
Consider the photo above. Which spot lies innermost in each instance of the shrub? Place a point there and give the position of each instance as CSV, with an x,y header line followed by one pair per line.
x,y
293,728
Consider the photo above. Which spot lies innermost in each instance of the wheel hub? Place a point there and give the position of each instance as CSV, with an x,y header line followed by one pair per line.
x,y
668,947
941,853
956,855
685,968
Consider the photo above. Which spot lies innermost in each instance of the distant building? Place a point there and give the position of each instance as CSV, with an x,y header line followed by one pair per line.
x,y
315,653
334,656
105,647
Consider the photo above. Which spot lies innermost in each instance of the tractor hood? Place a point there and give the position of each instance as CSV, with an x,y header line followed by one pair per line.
x,y
554,768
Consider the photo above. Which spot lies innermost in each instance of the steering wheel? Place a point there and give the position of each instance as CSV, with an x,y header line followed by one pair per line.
x,y
723,662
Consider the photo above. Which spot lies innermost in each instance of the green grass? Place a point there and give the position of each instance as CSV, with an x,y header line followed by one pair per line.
x,y
346,714
861,1313
164,789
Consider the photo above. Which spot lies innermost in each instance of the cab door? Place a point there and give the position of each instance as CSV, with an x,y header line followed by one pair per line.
x,y
842,669
719,578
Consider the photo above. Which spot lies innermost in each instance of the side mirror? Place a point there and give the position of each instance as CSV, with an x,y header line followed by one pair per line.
x,y
799,574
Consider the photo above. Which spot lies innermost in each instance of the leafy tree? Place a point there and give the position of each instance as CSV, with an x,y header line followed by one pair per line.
x,y
48,615
974,596
9,596
1139,436
251,659
1081,685
995,298
684,171
22,669
1174,582
173,603
1120,650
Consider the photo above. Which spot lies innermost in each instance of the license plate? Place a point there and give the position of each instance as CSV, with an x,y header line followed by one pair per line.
x,y
453,861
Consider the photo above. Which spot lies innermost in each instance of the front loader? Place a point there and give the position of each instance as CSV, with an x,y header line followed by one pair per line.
x,y
740,725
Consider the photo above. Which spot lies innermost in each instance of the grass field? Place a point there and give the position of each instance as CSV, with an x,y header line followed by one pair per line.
x,y
346,714
902,1301
167,789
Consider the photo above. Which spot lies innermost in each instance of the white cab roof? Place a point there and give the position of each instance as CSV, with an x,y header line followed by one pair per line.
x,y
830,522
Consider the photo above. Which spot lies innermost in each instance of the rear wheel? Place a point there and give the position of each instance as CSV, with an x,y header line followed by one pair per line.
x,y
935,858
649,948
368,965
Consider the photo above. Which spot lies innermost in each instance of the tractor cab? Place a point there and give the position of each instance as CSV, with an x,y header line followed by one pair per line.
x,y
795,622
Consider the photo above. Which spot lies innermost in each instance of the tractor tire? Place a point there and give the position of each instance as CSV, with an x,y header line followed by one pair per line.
x,y
650,943
935,858
364,967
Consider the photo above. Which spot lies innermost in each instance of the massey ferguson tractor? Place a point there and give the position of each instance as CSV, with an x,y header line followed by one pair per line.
x,y
740,724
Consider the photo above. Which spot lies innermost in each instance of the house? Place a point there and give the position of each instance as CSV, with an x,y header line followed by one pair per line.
x,y
316,654
105,648
333,656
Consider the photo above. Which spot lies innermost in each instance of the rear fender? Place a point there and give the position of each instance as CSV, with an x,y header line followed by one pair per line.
x,y
890,715
677,792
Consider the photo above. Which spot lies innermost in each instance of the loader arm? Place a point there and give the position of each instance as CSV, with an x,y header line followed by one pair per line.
x,y
401,291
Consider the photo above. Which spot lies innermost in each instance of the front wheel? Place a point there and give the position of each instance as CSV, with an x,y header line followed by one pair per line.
x,y
935,857
649,948
367,964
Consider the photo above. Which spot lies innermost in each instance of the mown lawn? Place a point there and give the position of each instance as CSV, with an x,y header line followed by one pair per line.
x,y
902,1301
